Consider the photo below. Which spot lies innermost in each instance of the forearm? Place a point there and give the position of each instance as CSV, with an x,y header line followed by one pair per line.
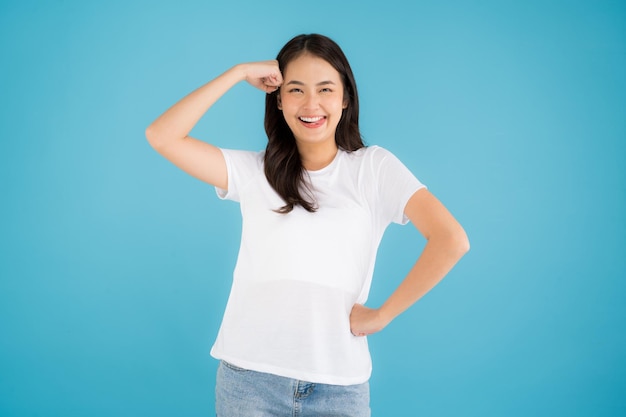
x,y
446,243
438,257
179,120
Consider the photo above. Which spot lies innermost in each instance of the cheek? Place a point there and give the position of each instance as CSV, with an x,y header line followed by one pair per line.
x,y
335,106
289,103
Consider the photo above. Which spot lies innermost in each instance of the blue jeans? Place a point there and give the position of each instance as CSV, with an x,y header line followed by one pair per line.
x,y
243,393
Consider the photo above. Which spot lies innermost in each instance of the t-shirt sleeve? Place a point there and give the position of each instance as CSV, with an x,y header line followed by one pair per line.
x,y
241,167
395,185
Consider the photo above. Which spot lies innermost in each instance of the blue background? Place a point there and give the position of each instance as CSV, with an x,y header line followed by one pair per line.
x,y
115,267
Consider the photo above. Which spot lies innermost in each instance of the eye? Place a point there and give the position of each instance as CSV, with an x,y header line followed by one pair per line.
x,y
326,90
295,90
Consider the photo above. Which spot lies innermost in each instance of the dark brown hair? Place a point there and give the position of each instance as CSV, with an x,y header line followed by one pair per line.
x,y
283,166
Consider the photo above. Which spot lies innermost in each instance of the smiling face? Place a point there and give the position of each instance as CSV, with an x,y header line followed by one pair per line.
x,y
311,99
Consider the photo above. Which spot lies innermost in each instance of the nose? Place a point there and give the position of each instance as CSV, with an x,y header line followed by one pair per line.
x,y
311,101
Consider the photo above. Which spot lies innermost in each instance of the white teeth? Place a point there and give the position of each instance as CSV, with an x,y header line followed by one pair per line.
x,y
311,119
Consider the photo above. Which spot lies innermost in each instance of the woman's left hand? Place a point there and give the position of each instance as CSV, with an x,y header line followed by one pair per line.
x,y
365,321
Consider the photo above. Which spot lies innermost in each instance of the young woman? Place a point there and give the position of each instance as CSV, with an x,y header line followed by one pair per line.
x,y
314,205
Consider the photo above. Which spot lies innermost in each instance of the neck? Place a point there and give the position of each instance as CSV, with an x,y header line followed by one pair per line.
x,y
315,158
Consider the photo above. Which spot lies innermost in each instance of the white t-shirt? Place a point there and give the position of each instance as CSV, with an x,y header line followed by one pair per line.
x,y
299,274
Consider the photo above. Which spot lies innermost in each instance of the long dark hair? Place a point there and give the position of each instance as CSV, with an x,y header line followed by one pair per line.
x,y
283,166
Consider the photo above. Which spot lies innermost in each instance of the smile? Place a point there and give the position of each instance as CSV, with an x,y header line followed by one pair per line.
x,y
312,122
314,119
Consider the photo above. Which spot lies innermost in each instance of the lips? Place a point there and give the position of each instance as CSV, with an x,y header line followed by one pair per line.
x,y
312,121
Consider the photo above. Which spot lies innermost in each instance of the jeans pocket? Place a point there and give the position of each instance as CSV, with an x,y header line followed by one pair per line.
x,y
233,367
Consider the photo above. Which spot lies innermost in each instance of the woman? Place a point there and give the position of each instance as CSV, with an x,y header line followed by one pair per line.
x,y
314,205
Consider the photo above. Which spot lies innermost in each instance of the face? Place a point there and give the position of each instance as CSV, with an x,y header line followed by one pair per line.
x,y
311,99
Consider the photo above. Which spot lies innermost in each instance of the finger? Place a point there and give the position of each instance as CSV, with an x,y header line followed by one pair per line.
x,y
274,78
271,87
278,78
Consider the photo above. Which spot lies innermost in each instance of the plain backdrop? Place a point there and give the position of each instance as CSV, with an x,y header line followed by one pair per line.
x,y
115,266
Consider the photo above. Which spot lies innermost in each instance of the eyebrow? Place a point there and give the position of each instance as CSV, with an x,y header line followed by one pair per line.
x,y
318,84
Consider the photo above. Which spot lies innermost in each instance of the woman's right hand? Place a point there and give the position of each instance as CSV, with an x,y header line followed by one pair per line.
x,y
264,75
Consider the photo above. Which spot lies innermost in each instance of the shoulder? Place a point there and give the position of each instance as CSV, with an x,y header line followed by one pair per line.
x,y
371,156
381,165
242,168
373,151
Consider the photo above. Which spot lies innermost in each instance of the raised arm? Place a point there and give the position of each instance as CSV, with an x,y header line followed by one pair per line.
x,y
446,244
169,133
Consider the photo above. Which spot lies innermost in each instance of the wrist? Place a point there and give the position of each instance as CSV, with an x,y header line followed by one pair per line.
x,y
385,315
240,72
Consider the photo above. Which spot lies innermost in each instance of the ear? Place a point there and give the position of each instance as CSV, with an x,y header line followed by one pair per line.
x,y
279,101
345,104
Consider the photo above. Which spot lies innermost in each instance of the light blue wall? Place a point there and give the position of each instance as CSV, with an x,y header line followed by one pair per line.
x,y
115,266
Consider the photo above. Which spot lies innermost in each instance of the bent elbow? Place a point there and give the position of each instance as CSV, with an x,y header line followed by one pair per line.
x,y
454,243
466,245
462,243
153,137
150,135
457,242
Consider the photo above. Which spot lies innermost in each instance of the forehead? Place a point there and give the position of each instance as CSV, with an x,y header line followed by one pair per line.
x,y
310,68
